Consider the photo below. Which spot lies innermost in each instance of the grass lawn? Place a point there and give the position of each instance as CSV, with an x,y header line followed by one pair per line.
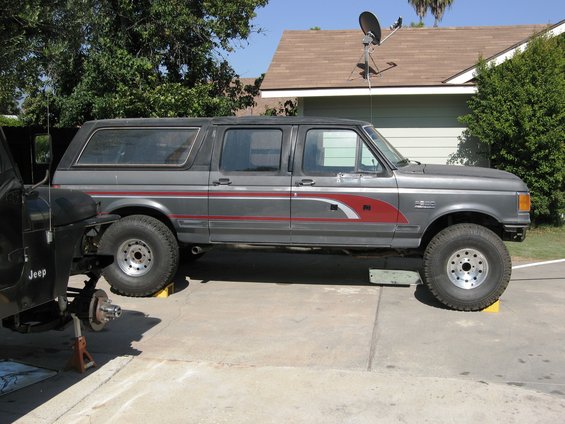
x,y
542,243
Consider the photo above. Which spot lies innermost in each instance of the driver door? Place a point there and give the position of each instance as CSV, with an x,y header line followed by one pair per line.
x,y
342,193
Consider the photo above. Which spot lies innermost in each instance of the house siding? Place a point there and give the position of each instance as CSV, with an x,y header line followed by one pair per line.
x,y
423,128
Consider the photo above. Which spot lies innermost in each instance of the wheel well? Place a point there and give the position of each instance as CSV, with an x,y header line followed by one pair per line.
x,y
461,218
132,210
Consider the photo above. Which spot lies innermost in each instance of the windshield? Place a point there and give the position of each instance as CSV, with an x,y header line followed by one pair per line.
x,y
385,147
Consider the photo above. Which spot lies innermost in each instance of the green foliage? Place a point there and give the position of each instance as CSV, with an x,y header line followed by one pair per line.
x,y
420,7
436,7
288,108
519,112
95,59
6,121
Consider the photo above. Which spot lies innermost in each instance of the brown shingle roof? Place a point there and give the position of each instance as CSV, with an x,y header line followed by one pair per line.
x,y
411,57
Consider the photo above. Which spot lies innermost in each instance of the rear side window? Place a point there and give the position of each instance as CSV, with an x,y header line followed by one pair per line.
x,y
251,150
139,146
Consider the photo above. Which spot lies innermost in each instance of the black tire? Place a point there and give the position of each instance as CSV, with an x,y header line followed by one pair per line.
x,y
467,267
146,255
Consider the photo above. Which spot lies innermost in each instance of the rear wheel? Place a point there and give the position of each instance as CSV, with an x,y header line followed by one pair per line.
x,y
146,255
467,267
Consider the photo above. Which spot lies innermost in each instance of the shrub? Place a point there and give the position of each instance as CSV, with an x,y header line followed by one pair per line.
x,y
519,113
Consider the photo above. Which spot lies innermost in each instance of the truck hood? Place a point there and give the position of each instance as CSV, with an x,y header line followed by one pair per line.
x,y
459,177
467,171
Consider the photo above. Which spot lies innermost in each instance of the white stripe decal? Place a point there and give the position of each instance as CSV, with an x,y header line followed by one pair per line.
x,y
350,213
556,261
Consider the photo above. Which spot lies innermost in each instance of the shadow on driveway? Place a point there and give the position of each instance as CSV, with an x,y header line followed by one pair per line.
x,y
53,349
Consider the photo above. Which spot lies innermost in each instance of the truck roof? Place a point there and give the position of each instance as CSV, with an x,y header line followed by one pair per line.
x,y
225,120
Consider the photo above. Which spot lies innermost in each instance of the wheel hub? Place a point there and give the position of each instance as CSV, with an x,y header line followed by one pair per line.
x,y
467,268
135,257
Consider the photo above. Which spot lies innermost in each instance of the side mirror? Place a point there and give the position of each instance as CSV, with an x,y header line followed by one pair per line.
x,y
42,149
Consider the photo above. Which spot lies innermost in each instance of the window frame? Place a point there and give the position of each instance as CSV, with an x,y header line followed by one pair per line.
x,y
360,143
139,165
222,144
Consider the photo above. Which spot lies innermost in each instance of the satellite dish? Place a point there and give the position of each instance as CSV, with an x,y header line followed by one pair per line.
x,y
372,30
371,27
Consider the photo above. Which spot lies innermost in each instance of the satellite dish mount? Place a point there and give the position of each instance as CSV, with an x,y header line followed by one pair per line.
x,y
372,30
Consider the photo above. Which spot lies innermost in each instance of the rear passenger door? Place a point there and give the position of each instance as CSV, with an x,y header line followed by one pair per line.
x,y
343,194
249,186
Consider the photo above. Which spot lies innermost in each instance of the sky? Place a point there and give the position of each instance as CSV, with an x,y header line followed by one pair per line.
x,y
252,57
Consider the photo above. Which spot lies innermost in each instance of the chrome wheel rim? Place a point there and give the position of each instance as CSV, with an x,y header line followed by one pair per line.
x,y
467,268
135,257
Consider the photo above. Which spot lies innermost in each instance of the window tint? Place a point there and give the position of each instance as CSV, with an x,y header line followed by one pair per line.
x,y
255,150
337,151
139,146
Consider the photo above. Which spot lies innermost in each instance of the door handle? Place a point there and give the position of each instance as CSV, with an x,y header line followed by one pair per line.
x,y
222,181
306,182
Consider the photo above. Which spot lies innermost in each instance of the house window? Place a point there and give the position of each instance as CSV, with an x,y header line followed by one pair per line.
x,y
251,150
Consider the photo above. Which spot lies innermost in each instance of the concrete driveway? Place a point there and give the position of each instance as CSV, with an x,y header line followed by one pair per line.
x,y
254,337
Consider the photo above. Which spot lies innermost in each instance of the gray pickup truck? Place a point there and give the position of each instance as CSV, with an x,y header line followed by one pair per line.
x,y
191,183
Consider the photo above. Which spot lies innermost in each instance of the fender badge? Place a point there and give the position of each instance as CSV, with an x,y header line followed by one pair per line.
x,y
425,204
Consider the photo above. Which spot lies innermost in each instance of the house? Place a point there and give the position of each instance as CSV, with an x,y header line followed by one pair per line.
x,y
420,79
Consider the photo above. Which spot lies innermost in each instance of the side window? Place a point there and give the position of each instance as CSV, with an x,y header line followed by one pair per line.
x,y
251,150
337,151
139,146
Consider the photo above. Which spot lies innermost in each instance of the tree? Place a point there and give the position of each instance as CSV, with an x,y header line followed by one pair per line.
x,y
438,7
16,27
519,113
125,58
421,8
288,108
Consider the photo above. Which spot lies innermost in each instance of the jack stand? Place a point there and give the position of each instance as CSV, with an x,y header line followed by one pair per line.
x,y
77,361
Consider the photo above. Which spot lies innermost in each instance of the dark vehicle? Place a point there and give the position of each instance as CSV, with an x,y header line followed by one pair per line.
x,y
318,183
46,235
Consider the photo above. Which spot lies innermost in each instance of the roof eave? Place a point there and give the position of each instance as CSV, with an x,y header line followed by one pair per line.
x,y
374,91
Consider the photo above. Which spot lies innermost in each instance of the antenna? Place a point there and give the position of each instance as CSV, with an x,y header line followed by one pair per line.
x,y
50,232
372,30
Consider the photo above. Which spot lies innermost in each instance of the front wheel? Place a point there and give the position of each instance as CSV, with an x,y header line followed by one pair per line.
x,y
146,255
467,267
